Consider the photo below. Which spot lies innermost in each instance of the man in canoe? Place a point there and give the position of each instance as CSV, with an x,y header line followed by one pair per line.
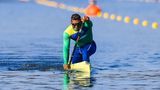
x,y
80,30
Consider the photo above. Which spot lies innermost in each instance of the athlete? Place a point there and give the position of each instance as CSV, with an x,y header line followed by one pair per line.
x,y
82,28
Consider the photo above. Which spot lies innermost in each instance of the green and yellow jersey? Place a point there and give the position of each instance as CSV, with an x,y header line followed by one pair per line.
x,y
85,38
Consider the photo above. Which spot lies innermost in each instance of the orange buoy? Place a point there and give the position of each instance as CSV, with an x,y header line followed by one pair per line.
x,y
92,9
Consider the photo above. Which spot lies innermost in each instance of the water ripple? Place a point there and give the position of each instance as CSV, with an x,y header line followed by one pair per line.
x,y
31,65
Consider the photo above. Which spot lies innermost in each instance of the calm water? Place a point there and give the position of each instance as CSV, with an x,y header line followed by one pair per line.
x,y
127,57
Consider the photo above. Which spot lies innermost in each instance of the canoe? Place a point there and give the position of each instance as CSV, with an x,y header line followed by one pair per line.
x,y
81,66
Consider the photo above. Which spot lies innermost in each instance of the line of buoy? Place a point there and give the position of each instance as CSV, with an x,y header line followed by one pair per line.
x,y
105,15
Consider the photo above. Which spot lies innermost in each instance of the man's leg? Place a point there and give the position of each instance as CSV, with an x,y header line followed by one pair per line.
x,y
87,51
92,49
85,55
77,56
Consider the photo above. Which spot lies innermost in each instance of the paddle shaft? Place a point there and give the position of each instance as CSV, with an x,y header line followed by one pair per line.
x,y
70,59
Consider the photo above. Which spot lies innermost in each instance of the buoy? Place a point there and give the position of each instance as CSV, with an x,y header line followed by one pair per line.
x,y
62,6
92,9
145,23
99,14
136,21
154,25
75,9
127,19
112,17
106,15
119,18
81,10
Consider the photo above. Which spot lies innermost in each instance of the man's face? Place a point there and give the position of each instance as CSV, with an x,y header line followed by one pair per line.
x,y
76,24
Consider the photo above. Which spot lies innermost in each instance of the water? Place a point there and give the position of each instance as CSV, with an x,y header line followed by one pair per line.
x,y
127,56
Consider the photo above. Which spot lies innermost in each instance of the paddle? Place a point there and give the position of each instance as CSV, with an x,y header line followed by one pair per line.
x,y
71,56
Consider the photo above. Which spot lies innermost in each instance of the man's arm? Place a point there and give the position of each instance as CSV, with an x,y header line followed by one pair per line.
x,y
87,22
66,46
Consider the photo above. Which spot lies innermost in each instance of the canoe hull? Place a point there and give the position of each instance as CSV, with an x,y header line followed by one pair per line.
x,y
81,66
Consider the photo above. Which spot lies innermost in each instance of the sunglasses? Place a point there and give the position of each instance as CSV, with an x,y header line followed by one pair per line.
x,y
76,24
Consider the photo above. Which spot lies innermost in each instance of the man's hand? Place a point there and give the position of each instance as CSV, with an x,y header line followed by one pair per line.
x,y
66,66
85,18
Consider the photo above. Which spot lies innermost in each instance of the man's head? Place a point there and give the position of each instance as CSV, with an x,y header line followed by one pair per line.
x,y
76,21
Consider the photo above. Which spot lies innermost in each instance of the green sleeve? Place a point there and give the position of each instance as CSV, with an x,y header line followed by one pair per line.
x,y
66,46
88,24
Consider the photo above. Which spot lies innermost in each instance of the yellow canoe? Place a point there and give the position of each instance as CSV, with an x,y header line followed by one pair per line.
x,y
81,66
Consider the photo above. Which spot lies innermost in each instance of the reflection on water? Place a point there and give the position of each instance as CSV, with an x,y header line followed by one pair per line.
x,y
72,80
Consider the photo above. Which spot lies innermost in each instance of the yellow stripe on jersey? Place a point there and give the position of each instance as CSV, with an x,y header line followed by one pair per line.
x,y
70,30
